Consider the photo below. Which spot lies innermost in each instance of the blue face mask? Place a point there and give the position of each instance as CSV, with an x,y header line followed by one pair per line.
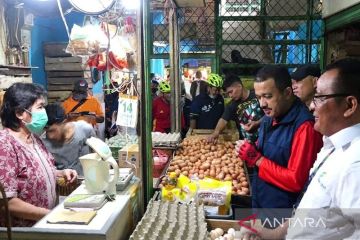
x,y
39,120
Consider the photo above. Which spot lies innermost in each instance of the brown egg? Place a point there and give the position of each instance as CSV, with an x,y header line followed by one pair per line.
x,y
221,176
228,178
206,165
244,184
245,190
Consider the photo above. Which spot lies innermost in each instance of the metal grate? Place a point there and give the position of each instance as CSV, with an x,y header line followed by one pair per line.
x,y
160,33
257,32
196,28
240,8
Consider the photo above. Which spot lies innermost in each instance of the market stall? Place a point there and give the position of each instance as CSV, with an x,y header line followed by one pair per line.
x,y
199,160
104,48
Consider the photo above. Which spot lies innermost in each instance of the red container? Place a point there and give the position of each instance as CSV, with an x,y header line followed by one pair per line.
x,y
160,160
158,168
159,165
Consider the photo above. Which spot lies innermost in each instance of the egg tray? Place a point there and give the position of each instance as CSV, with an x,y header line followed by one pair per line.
x,y
165,139
166,220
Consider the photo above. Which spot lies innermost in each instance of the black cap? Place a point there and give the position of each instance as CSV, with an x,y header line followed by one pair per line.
x,y
306,70
55,113
81,86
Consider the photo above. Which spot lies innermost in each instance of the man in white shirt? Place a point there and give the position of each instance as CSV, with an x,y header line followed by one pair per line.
x,y
330,207
333,194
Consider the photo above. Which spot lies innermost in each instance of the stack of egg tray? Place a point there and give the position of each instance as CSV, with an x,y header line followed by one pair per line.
x,y
165,139
171,221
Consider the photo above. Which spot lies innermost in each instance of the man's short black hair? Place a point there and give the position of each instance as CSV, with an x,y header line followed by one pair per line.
x,y
230,79
17,98
56,113
347,80
280,75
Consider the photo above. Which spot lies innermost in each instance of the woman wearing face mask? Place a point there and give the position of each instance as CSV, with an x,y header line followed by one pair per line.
x,y
26,168
207,108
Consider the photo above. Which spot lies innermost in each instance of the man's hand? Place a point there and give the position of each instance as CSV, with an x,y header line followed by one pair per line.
x,y
249,236
73,115
238,144
251,126
212,138
90,115
249,154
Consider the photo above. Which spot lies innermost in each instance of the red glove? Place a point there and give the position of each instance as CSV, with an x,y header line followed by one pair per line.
x,y
249,154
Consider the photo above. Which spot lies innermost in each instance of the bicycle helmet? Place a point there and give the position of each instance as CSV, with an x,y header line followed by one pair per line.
x,y
215,80
164,87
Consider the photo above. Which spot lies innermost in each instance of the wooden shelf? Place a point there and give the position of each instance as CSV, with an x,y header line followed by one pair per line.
x,y
13,70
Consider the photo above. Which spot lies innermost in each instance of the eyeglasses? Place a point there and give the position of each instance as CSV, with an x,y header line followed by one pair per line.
x,y
317,100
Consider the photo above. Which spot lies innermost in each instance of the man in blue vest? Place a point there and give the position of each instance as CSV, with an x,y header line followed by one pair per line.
x,y
331,198
287,145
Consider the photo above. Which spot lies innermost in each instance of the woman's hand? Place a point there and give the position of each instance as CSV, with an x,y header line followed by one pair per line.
x,y
69,175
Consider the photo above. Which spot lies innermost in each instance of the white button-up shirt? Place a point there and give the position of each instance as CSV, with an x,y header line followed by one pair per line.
x,y
330,208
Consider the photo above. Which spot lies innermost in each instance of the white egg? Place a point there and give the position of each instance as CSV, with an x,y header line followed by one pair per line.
x,y
231,231
228,237
213,235
219,231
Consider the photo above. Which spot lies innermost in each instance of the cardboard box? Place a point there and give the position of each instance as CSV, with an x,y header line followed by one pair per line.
x,y
224,224
231,135
130,154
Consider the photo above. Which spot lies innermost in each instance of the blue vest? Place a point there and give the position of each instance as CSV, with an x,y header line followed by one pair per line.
x,y
275,143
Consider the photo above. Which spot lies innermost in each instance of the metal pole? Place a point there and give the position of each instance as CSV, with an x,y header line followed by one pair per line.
x,y
308,32
311,8
145,103
175,81
178,86
323,47
218,35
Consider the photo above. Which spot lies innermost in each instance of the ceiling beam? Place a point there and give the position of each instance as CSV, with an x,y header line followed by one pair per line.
x,y
190,3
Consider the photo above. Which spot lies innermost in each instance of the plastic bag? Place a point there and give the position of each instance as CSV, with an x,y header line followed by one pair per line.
x,y
86,40
215,195
185,190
